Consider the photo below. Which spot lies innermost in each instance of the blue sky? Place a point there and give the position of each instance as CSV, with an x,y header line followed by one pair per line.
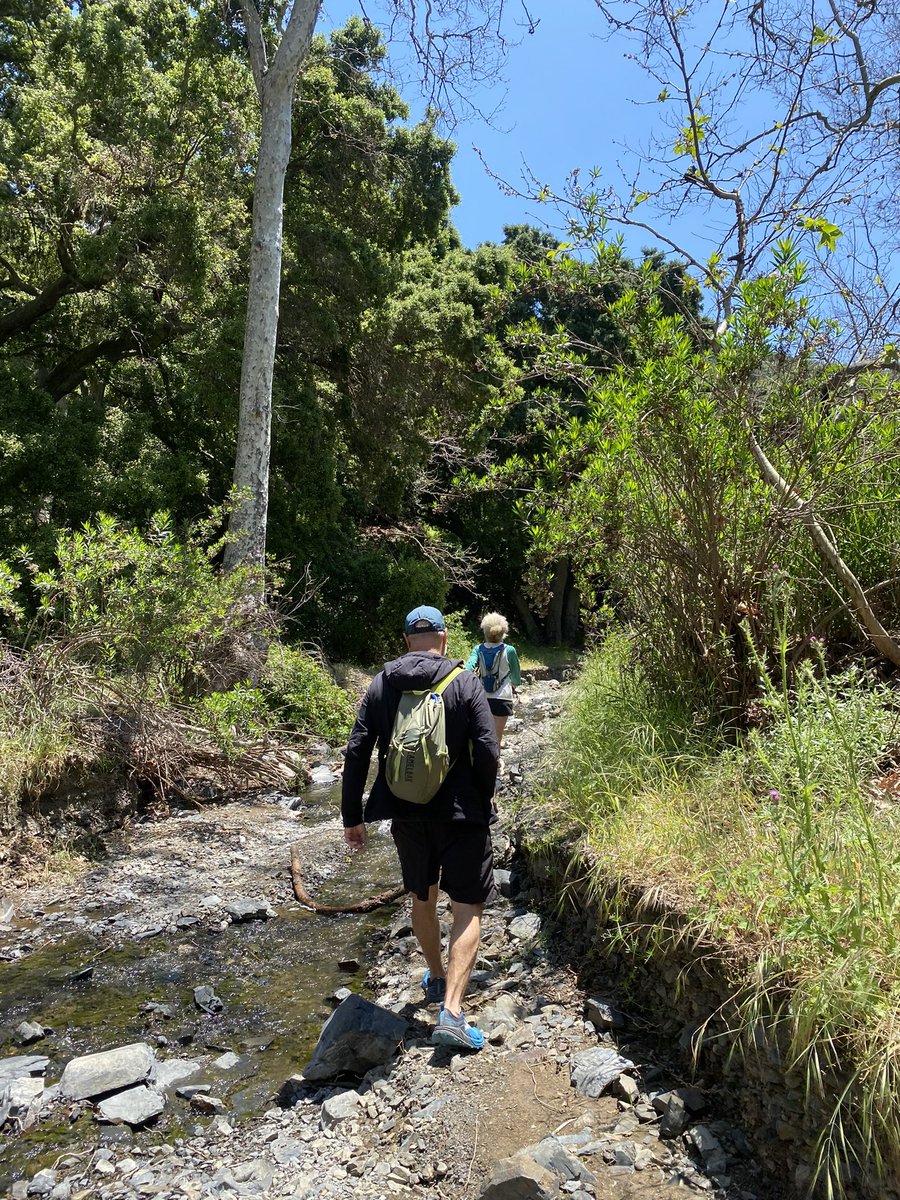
x,y
569,99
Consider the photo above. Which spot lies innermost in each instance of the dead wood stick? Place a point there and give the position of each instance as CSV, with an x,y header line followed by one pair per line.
x,y
303,896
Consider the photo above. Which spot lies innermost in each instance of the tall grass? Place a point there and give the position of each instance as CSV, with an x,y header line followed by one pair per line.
x,y
780,848
620,737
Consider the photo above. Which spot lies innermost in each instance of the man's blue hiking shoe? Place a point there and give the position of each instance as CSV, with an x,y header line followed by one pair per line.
x,y
454,1032
433,989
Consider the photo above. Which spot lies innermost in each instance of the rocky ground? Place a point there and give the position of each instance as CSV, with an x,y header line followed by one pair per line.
x,y
567,1098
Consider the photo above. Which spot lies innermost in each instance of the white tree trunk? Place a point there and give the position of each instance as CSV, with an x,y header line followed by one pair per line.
x,y
251,467
275,85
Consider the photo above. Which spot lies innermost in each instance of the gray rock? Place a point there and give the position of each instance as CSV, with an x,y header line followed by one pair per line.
x,y
189,1090
520,1178
357,1036
207,1000
244,909
594,1070
322,777
135,1106
166,1011
431,1109
211,1105
42,1183
27,1032
625,1154
226,1061
7,911
626,1089
21,1100
287,1150
603,1016
708,1146
505,1013
674,1117
694,1100
17,1066
172,1070
553,1155
139,1178
343,1107
503,881
108,1071
525,927
254,1178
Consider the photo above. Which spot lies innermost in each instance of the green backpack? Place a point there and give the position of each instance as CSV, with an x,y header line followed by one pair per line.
x,y
418,759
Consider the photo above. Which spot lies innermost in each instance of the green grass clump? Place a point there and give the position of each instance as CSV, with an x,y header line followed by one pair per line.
x,y
777,849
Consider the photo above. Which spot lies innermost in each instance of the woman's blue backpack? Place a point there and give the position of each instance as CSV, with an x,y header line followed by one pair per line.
x,y
491,660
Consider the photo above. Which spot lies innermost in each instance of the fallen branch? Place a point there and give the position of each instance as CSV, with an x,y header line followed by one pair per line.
x,y
304,898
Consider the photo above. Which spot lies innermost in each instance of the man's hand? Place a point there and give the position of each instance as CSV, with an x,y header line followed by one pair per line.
x,y
355,836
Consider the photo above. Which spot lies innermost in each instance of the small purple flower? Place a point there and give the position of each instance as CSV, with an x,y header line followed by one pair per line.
x,y
774,794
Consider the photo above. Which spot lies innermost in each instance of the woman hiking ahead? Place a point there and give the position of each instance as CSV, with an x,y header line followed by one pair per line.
x,y
498,666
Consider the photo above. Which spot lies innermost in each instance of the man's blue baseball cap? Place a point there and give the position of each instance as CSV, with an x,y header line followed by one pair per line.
x,y
424,619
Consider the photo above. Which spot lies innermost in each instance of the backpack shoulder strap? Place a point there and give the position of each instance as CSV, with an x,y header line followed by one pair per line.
x,y
448,678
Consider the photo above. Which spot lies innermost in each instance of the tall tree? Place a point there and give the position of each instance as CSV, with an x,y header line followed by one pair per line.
x,y
124,151
275,75
449,46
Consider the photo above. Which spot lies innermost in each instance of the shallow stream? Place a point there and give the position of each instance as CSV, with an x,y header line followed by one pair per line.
x,y
275,977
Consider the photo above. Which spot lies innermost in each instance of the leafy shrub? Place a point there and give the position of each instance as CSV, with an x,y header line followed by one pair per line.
x,y
359,612
301,693
149,603
621,735
460,638
234,716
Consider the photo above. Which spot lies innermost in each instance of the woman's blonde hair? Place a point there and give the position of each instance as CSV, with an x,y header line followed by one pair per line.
x,y
494,626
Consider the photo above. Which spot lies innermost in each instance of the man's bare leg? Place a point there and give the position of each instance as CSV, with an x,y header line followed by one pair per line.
x,y
427,929
464,938
500,725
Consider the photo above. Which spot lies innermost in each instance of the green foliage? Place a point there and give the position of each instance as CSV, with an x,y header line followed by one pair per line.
x,y
621,735
371,588
234,717
527,497
298,691
150,603
823,735
462,635
651,488
127,135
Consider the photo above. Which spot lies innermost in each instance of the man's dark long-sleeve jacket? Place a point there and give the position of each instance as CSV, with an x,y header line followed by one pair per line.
x,y
467,792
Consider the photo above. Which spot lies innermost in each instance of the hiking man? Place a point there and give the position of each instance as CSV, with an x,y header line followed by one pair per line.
x,y
445,841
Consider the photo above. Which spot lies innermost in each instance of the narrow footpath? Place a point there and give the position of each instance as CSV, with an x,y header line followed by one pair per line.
x,y
567,1098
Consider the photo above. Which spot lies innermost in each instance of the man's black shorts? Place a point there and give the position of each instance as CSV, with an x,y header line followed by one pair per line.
x,y
456,854
500,708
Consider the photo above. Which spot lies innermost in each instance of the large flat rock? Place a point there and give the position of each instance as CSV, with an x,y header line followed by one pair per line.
x,y
108,1071
357,1036
17,1066
134,1107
